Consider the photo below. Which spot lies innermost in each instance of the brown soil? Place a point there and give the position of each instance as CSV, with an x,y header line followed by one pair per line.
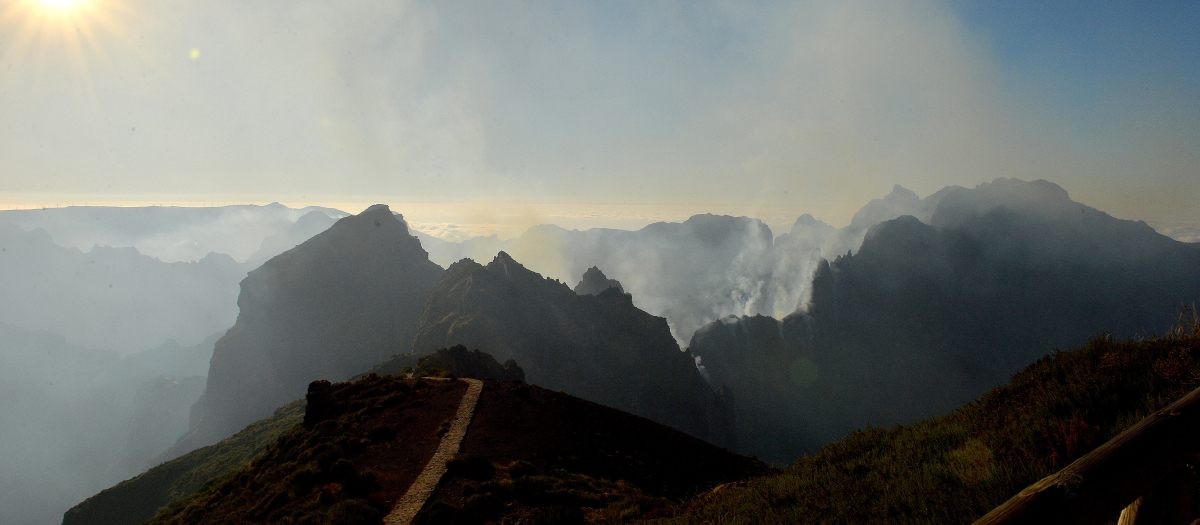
x,y
397,462
553,430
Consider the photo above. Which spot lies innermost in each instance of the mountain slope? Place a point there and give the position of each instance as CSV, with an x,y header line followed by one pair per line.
x,y
138,499
598,347
333,306
688,272
958,466
923,317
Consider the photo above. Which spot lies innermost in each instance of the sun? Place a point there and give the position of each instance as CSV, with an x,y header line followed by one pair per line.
x,y
43,38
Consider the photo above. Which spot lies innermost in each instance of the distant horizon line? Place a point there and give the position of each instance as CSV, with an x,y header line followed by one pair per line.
x,y
459,221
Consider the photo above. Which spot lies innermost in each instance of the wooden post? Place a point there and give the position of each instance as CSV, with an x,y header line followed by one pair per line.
x,y
1168,503
1097,486
1129,515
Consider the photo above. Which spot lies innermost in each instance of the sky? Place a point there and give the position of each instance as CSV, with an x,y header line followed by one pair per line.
x,y
477,117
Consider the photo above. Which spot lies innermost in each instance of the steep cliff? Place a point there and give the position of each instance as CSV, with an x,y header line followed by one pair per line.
x,y
333,306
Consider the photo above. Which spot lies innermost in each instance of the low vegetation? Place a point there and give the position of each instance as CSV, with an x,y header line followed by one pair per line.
x,y
137,500
957,467
314,473
522,493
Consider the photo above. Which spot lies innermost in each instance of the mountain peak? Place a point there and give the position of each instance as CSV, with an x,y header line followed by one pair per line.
x,y
377,209
505,264
329,308
594,282
901,201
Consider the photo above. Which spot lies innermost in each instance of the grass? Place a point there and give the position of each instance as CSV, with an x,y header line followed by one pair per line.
x,y
307,476
520,493
957,467
136,500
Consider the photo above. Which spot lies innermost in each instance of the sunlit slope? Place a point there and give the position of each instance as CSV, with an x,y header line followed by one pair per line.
x,y
956,467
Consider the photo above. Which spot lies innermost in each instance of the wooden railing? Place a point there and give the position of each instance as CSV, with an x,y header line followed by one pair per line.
x,y
1145,471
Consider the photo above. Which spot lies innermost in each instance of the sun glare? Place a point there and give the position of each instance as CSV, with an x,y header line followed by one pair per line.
x,y
73,36
60,4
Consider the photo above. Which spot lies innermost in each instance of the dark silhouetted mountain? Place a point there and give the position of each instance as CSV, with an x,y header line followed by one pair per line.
x,y
769,366
594,282
690,272
598,347
334,306
924,317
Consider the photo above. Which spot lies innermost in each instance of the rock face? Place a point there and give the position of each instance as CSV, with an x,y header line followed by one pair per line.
x,y
594,281
770,368
333,306
598,347
926,316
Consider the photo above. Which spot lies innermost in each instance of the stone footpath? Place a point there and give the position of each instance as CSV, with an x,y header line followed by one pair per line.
x,y
411,503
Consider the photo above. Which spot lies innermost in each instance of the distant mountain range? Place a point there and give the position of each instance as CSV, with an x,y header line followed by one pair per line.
x,y
168,233
792,341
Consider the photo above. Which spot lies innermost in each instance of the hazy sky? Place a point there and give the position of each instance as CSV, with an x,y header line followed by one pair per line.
x,y
482,112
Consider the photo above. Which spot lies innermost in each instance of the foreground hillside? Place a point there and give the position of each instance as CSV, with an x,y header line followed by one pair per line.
x,y
136,500
529,453
957,467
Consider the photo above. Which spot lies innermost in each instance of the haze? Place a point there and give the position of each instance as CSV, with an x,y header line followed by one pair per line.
x,y
492,117
486,119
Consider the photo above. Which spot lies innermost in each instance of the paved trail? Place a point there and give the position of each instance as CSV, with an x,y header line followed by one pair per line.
x,y
410,504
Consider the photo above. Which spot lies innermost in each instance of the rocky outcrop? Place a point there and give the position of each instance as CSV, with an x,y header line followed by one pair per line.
x,y
473,364
594,281
327,309
598,347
